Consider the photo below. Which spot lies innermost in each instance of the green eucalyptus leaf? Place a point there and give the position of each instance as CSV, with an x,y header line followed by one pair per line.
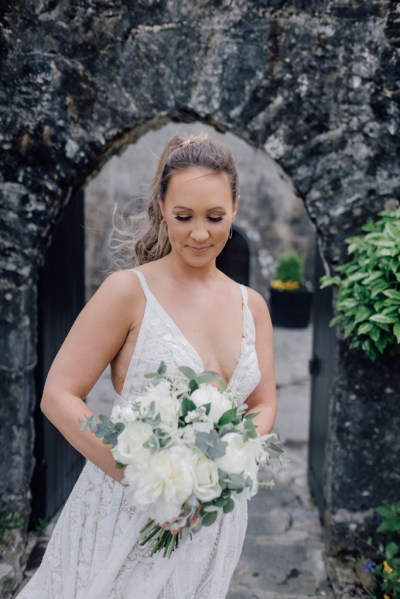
x,y
229,506
251,416
208,377
216,450
236,482
202,441
150,375
188,372
209,518
221,501
226,428
210,508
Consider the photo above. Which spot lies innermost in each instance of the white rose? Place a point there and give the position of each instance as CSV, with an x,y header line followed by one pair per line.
x,y
163,482
167,405
210,394
206,486
130,442
233,462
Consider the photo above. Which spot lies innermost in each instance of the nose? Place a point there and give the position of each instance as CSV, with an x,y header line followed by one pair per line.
x,y
199,232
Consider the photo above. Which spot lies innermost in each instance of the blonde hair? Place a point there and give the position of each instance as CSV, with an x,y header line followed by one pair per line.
x,y
180,153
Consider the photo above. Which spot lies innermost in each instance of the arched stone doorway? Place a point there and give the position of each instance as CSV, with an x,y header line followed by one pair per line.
x,y
315,84
271,214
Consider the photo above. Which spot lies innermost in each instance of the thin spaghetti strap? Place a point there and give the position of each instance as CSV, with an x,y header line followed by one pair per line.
x,y
245,295
248,320
143,283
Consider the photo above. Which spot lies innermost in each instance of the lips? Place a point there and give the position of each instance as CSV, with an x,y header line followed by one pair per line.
x,y
199,249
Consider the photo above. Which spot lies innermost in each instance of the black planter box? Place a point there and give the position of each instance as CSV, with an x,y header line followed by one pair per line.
x,y
291,309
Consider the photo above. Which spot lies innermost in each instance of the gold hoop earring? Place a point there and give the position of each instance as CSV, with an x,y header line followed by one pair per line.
x,y
230,232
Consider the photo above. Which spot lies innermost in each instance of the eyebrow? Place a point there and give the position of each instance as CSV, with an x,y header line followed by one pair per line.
x,y
190,210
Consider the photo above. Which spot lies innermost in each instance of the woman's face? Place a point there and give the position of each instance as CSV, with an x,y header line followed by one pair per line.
x,y
199,212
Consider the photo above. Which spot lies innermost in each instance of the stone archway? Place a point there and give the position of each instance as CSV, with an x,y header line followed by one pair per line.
x,y
314,83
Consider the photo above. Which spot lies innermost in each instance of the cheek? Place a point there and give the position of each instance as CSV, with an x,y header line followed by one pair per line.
x,y
175,229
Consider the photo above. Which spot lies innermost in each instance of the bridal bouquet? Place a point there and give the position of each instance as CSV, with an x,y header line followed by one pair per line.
x,y
188,450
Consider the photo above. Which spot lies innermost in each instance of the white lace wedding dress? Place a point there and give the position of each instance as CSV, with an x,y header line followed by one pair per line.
x,y
94,551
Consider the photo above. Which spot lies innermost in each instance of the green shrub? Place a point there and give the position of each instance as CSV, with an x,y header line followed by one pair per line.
x,y
289,268
368,300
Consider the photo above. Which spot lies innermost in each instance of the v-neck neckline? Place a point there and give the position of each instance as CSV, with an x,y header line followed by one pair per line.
x,y
160,308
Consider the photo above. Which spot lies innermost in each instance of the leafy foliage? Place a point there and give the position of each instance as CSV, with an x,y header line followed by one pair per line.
x,y
368,300
103,428
385,565
289,268
205,439
10,521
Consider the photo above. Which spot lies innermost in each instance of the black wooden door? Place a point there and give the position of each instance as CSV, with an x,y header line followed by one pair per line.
x,y
234,260
321,369
60,298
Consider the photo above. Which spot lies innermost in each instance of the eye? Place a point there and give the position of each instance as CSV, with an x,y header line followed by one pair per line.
x,y
215,219
182,218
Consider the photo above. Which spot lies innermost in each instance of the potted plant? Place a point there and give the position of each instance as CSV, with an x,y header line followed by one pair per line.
x,y
290,300
368,299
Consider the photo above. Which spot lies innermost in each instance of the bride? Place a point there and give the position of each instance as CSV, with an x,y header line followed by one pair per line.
x,y
176,306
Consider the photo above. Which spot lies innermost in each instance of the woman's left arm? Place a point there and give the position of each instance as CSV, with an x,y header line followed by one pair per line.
x,y
263,399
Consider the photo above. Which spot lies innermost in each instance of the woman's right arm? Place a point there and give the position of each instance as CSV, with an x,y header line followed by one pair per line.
x,y
94,340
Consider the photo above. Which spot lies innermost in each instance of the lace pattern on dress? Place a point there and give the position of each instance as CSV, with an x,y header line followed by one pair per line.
x,y
94,551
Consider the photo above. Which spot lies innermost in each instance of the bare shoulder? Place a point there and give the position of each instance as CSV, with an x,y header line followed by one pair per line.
x,y
121,283
257,304
120,290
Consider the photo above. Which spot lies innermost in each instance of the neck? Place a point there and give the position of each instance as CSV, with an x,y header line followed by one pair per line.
x,y
181,271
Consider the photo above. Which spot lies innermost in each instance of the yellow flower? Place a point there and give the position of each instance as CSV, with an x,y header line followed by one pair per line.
x,y
285,285
387,568
386,597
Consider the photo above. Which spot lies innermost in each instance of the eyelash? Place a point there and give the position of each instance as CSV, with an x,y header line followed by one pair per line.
x,y
212,219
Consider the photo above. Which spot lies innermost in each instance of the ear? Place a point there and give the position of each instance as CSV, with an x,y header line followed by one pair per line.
x,y
160,205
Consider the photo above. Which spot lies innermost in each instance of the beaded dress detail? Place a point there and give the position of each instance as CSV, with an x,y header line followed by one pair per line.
x,y
94,551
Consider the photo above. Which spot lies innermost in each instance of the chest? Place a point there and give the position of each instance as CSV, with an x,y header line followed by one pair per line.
x,y
212,326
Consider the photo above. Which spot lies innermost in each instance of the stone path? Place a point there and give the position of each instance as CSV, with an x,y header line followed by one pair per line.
x,y
282,556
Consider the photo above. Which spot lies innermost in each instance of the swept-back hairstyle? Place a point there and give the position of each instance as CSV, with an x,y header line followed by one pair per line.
x,y
180,153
